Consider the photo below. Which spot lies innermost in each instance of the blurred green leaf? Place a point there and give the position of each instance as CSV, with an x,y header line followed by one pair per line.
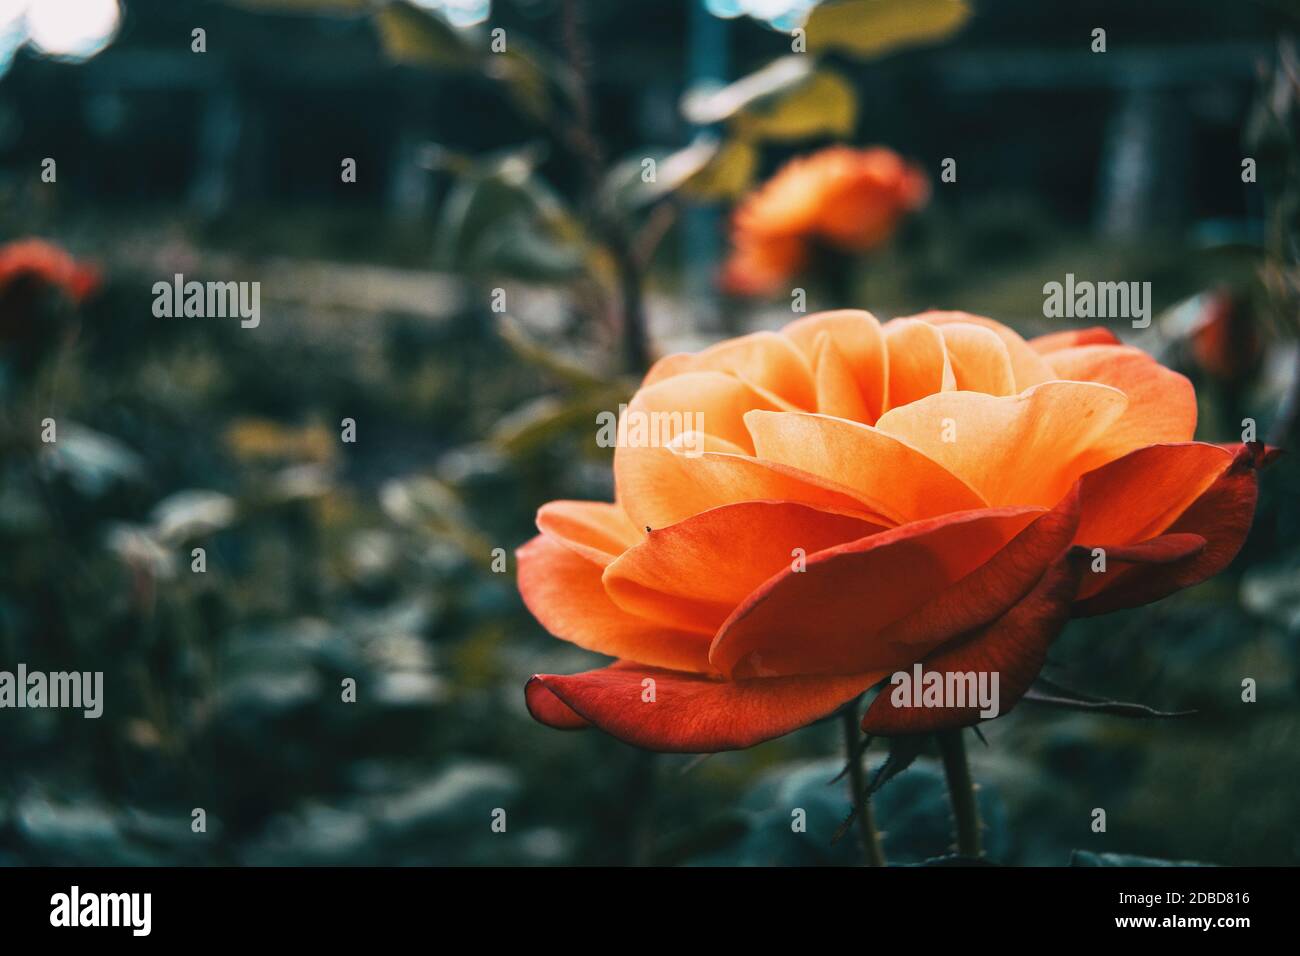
x,y
531,254
1273,592
1086,858
870,28
191,514
426,504
416,37
823,105
489,209
709,105
562,367
637,181
527,75
91,461
727,176
913,815
543,420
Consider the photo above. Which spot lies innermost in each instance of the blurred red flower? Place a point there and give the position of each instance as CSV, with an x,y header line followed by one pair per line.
x,y
849,199
42,263
34,273
1225,342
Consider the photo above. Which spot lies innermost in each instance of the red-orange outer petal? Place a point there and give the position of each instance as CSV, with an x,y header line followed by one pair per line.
x,y
1014,646
690,713
1222,516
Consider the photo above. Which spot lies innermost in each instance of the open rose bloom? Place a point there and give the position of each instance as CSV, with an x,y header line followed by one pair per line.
x,y
844,198
864,497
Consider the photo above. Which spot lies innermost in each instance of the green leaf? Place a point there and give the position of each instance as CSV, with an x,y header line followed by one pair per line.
x,y
501,217
1087,858
416,37
633,182
526,74
194,513
541,421
870,28
823,105
913,815
709,105
566,369
728,175
91,461
426,504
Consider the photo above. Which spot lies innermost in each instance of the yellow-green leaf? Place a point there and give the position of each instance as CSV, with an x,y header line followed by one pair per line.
x,y
525,80
706,106
640,180
825,105
869,28
728,175
415,37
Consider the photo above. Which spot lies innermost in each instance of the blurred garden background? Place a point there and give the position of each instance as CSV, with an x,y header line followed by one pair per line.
x,y
542,202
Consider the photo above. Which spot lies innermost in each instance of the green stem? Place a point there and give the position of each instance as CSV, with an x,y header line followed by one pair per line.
x,y
872,851
961,791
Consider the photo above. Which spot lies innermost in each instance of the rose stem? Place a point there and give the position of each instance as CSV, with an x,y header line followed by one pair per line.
x,y
871,849
961,791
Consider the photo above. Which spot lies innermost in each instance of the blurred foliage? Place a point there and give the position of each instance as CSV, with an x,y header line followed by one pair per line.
x,y
373,561
867,28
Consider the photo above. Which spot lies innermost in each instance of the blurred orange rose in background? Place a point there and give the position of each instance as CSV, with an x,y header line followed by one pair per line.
x,y
43,263
849,199
862,498
1225,340
30,271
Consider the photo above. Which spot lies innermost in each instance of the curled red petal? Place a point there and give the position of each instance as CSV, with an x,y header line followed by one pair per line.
x,y
1221,516
676,712
1014,647
825,617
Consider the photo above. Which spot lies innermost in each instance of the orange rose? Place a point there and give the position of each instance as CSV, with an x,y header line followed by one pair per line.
x,y
30,271
862,498
43,263
850,199
1225,341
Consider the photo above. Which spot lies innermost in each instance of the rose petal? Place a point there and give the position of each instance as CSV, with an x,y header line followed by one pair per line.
x,y
1071,338
1222,516
597,530
918,361
1014,647
1161,403
659,487
763,359
711,402
1138,496
1017,449
858,337
689,713
899,481
1027,364
991,589
980,362
837,388
823,620
692,574
563,591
